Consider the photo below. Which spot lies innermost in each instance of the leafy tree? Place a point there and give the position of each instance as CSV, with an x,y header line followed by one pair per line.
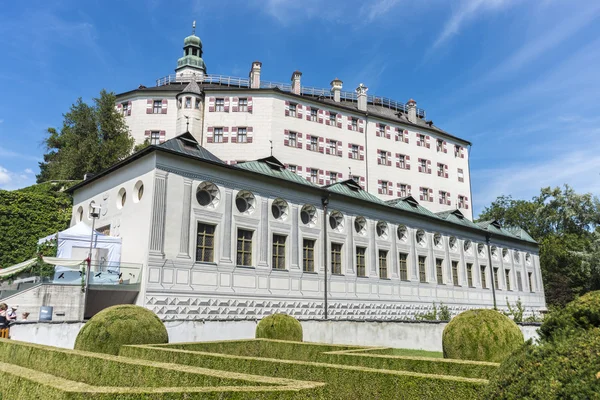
x,y
141,146
91,139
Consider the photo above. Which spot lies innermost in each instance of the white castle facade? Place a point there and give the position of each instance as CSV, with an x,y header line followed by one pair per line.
x,y
363,202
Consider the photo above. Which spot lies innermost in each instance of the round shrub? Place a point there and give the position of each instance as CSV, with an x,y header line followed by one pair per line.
x,y
581,313
568,368
481,335
279,326
120,325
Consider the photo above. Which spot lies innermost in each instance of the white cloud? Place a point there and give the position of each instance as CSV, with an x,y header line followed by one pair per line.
x,y
377,9
28,171
5,177
10,180
13,154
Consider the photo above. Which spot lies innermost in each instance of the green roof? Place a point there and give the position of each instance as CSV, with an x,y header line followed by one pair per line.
x,y
457,217
187,144
352,189
513,232
411,205
272,167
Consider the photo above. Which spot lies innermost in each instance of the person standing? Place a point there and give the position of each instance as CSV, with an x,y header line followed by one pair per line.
x,y
3,320
11,314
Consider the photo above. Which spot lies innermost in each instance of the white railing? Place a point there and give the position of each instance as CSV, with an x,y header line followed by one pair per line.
x,y
233,81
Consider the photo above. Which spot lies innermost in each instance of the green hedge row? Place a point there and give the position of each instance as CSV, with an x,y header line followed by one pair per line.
x,y
35,371
342,381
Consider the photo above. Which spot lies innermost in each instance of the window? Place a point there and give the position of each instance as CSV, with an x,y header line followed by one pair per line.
x,y
529,278
443,197
332,118
421,141
244,247
383,187
125,108
188,102
455,273
360,261
292,109
496,285
355,178
401,161
440,170
439,271
422,274
422,165
333,177
383,157
157,106
457,151
242,135
354,151
278,252
293,137
314,114
461,176
470,275
333,147
403,263
155,137
243,105
382,130
205,243
308,255
245,202
507,278
314,175
461,201
425,194
439,145
402,190
218,135
383,272
219,104
314,143
336,258
197,104
519,282
308,214
483,278
354,124
292,168
279,209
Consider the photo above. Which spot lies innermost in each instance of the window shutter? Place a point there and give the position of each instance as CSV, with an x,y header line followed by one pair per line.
x,y
339,149
420,167
129,105
431,195
448,200
428,166
379,190
362,152
162,135
299,168
378,160
389,159
250,104
149,106
298,140
349,150
120,108
165,104
250,134
286,138
327,116
440,197
391,189
234,104
397,134
234,134
427,141
320,116
226,135
466,202
226,103
321,145
307,142
361,125
339,175
445,171
418,141
211,104
408,191
299,110
327,180
445,147
287,108
377,129
321,177
387,132
421,193
338,118
147,134
462,152
407,162
349,123
327,151
405,134
397,160
308,113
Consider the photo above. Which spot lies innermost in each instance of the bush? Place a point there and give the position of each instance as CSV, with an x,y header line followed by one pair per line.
x,y
481,335
118,325
279,326
561,369
581,313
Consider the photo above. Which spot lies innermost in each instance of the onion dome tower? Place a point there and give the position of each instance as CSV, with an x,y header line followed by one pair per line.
x,y
190,104
191,63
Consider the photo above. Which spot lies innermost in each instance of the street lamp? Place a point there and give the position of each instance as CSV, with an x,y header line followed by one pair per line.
x,y
94,214
488,236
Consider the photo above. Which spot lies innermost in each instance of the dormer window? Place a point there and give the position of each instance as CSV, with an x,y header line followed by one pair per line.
x,y
188,102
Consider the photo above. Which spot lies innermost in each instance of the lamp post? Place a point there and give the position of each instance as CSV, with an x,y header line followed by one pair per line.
x,y
487,241
325,201
94,213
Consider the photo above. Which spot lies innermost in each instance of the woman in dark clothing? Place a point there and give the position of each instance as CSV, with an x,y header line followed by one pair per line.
x,y
3,320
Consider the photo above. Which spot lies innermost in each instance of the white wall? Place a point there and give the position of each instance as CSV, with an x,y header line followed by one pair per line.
x,y
67,301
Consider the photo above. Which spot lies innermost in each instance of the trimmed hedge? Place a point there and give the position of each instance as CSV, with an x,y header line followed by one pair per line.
x,y
559,369
481,335
343,381
123,324
581,313
279,326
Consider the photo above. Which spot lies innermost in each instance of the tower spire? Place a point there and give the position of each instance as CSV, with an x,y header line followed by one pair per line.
x,y
194,28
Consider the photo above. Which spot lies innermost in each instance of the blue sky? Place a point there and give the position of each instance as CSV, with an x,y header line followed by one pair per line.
x,y
520,79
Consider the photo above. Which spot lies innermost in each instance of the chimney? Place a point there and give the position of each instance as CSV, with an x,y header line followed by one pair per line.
x,y
336,88
361,91
296,82
255,75
411,111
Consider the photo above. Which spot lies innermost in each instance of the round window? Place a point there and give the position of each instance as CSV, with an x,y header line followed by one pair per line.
x,y
494,251
420,236
138,191
336,220
480,249
382,229
516,256
121,198
437,240
80,214
452,242
467,246
360,225
505,254
279,208
402,233
245,202
207,194
308,215
528,258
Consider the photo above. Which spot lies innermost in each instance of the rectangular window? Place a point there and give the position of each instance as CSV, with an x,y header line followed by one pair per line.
x,y
383,157
243,105
470,275
218,135
382,130
332,118
197,104
244,247
188,102
278,252
293,137
456,151
242,135
361,269
455,273
314,114
383,272
314,175
507,278
355,178
422,165
421,140
308,255
440,170
205,243
125,108
383,187
314,143
403,263
403,190
461,201
461,176
422,274
425,194
292,168
439,145
292,109
443,197
333,177
519,281
483,277
220,104
354,124
155,137
496,285
354,151
530,279
336,258
439,270
333,147
401,161
157,106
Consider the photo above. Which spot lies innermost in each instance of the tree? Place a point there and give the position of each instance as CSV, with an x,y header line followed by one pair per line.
x,y
91,139
563,223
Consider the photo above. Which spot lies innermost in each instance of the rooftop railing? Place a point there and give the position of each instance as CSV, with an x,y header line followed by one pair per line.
x,y
232,81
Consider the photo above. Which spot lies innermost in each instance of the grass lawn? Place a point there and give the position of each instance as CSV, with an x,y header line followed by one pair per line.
x,y
414,353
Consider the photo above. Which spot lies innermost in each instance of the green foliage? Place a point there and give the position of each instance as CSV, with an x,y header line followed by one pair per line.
x,y
344,376
561,369
582,313
141,146
563,223
516,312
279,326
118,325
91,139
433,315
484,335
29,214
